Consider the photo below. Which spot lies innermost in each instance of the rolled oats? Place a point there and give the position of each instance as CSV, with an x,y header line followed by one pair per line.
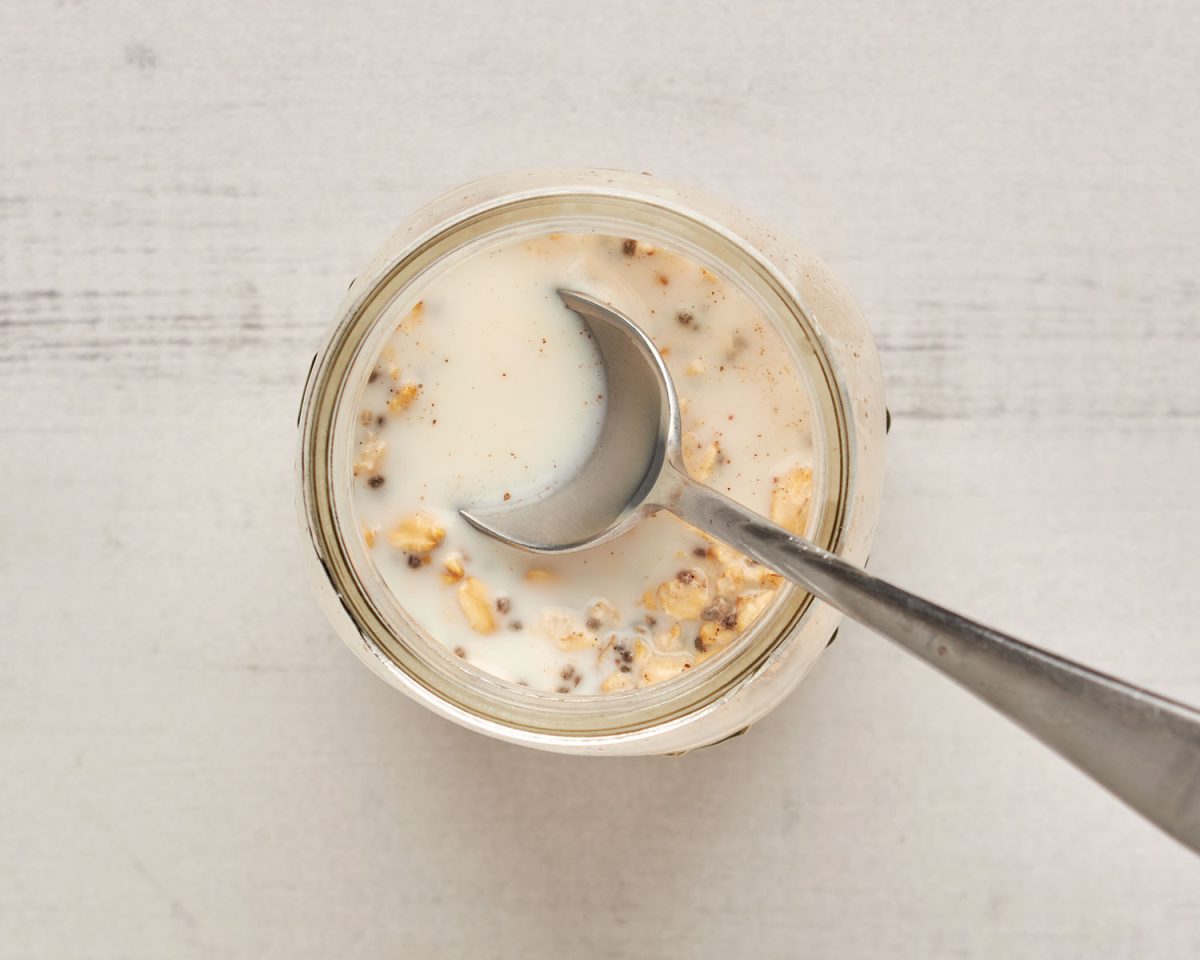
x,y
657,669
416,534
699,458
616,683
370,455
790,499
403,396
453,569
685,594
564,628
473,599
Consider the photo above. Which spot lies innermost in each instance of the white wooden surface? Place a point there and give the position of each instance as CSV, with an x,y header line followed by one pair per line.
x,y
194,767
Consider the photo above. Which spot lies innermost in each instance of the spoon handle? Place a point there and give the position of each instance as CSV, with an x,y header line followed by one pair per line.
x,y
1142,747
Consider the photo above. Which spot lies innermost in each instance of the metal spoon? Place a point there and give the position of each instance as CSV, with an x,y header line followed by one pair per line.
x,y
1142,747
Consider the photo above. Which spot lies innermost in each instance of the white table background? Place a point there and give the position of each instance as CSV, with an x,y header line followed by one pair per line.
x,y
194,766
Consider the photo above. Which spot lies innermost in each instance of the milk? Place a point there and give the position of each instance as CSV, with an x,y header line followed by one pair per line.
x,y
489,385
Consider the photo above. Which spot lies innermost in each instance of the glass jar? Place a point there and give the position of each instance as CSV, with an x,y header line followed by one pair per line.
x,y
833,350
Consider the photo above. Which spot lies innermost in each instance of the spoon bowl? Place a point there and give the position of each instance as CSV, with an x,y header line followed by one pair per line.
x,y
623,476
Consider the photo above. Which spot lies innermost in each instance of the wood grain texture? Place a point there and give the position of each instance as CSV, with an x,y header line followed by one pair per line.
x,y
193,766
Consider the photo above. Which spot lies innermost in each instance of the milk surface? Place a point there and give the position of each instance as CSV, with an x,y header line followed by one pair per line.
x,y
489,385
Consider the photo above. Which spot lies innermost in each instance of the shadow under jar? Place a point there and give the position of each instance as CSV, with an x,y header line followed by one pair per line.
x,y
831,351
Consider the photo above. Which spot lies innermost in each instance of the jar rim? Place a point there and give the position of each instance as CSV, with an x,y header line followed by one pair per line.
x,y
462,694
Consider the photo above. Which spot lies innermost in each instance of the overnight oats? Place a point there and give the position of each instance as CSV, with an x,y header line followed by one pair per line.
x,y
489,387
456,377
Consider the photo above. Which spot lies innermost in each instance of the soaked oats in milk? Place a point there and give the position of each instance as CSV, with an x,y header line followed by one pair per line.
x,y
489,387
